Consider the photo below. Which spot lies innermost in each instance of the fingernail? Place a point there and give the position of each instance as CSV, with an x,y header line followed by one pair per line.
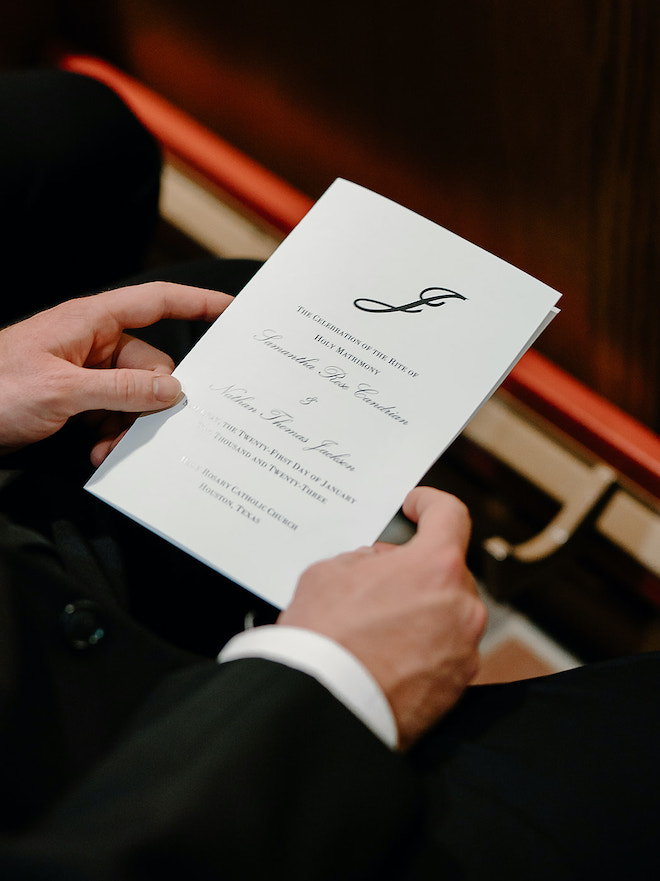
x,y
166,388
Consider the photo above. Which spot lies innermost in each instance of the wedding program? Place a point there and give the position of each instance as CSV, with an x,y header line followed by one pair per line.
x,y
325,391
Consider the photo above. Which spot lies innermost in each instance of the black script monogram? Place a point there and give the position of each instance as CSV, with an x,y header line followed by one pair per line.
x,y
425,299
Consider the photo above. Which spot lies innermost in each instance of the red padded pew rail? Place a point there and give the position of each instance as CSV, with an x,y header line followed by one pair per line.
x,y
598,425
257,189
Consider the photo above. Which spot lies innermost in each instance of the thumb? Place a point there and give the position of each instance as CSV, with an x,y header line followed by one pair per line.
x,y
125,389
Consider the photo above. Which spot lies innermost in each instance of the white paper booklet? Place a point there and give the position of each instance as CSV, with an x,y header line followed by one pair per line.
x,y
325,391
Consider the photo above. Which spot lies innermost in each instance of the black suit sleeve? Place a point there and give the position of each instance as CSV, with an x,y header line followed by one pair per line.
x,y
246,770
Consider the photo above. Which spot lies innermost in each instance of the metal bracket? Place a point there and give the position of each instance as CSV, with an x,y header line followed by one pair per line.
x,y
507,567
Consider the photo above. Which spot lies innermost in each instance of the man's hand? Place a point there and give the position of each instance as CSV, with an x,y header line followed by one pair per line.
x,y
410,613
49,363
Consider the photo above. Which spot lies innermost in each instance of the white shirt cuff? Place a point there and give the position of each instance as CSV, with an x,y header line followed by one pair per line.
x,y
328,662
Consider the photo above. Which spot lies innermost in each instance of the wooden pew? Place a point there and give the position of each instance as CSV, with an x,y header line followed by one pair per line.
x,y
599,466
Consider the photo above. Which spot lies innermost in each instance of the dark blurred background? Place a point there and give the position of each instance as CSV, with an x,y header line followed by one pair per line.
x,y
531,129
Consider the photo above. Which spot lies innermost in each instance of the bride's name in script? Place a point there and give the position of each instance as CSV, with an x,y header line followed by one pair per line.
x,y
369,395
333,374
271,338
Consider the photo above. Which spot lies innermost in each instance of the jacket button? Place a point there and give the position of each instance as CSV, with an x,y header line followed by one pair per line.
x,y
81,624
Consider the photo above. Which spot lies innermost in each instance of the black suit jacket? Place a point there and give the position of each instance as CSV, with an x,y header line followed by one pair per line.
x,y
122,756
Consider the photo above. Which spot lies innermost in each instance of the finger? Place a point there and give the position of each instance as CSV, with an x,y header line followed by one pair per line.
x,y
379,547
103,447
383,547
440,517
127,390
132,352
142,305
110,426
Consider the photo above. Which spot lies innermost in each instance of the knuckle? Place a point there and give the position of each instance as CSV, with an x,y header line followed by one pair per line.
x,y
462,512
157,288
160,292
456,598
477,616
70,309
55,394
459,506
126,390
448,564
